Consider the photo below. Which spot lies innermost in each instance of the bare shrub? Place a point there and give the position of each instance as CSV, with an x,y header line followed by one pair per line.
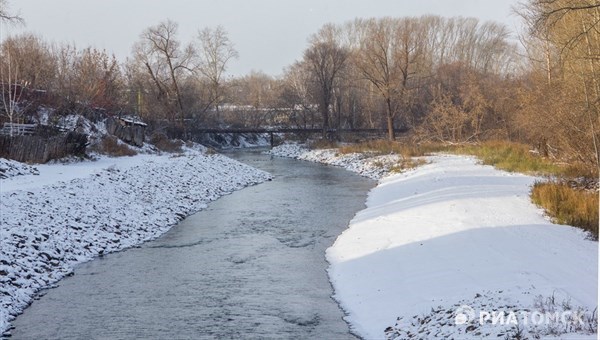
x,y
110,146
163,143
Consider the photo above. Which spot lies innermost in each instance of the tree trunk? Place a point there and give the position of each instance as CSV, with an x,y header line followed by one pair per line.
x,y
390,121
325,113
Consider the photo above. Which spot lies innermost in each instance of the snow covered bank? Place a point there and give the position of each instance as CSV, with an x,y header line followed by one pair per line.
x,y
371,166
440,246
10,168
69,214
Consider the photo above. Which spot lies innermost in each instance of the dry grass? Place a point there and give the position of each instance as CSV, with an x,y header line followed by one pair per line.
x,y
511,157
406,164
566,205
110,146
385,147
508,156
163,143
210,151
322,144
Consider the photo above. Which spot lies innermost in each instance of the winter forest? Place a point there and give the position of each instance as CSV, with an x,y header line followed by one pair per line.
x,y
444,79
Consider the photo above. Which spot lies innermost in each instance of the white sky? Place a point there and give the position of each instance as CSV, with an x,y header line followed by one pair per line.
x,y
268,34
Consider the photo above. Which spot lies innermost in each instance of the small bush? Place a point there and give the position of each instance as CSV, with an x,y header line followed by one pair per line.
x,y
110,146
567,205
163,143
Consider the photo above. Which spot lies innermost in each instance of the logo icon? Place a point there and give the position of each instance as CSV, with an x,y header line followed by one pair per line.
x,y
463,315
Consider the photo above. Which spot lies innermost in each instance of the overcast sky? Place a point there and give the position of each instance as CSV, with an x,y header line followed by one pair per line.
x,y
268,34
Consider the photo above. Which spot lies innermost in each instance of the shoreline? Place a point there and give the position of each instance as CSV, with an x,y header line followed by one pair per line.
x,y
47,229
373,167
449,234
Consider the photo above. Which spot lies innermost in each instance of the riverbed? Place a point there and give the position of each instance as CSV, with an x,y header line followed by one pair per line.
x,y
251,265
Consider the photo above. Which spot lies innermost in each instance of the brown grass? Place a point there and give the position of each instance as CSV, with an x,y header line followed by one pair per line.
x,y
566,205
163,143
409,163
385,147
508,156
322,144
110,146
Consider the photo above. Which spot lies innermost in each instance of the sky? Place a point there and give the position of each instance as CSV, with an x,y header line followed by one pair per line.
x,y
268,34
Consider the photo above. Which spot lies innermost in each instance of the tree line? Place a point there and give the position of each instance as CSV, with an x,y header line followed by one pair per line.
x,y
446,79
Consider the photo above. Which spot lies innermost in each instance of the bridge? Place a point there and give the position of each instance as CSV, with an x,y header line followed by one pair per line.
x,y
273,131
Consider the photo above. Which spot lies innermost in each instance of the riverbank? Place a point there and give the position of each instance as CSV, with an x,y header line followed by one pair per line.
x,y
251,265
69,214
370,166
444,246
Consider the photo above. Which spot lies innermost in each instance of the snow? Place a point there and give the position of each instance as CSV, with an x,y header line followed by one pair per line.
x,y
450,236
51,173
72,213
10,168
371,166
433,241
236,140
82,125
453,233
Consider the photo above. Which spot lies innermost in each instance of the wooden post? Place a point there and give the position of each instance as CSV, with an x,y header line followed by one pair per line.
x,y
272,139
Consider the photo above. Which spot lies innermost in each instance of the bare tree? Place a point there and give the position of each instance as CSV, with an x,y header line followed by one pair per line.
x,y
215,53
97,78
34,58
569,34
5,14
325,58
297,96
12,85
166,62
12,88
388,55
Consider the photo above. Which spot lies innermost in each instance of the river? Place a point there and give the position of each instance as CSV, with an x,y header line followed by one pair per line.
x,y
251,265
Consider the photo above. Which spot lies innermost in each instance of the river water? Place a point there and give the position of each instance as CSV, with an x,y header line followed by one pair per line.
x,y
249,266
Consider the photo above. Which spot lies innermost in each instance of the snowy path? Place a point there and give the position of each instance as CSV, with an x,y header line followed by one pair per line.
x,y
454,233
69,214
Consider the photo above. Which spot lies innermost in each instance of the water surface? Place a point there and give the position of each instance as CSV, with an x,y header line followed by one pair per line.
x,y
249,266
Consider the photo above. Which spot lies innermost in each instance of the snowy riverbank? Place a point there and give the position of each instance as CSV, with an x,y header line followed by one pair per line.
x,y
374,167
452,243
455,233
68,214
